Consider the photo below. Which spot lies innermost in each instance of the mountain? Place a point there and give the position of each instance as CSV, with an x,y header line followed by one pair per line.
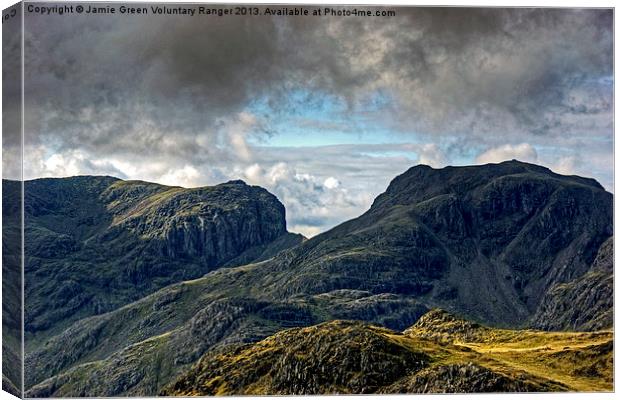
x,y
94,244
489,243
439,354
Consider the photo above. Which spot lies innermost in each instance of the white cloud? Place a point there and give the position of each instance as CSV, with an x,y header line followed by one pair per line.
x,y
254,174
566,165
522,152
237,131
279,172
187,176
306,230
314,202
331,183
431,155
59,165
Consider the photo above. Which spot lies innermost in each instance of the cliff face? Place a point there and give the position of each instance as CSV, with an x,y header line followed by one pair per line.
x,y
96,243
214,224
585,303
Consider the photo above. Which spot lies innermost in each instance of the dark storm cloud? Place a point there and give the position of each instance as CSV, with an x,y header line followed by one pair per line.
x,y
11,96
514,70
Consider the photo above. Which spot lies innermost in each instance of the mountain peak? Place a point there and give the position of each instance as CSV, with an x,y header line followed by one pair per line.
x,y
421,182
236,182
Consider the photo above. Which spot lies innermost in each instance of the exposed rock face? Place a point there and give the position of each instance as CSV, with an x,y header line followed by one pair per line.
x,y
385,309
97,243
584,304
214,224
468,378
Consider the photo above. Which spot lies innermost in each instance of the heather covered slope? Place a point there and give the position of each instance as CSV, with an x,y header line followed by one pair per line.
x,y
486,242
97,243
439,354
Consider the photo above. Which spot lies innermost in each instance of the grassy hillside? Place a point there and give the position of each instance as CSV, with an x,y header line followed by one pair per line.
x,y
179,324
439,354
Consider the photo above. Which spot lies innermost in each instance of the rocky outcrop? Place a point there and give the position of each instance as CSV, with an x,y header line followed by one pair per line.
x,y
336,357
441,326
469,378
214,224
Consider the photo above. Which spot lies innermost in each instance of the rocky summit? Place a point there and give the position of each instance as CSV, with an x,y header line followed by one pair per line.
x,y
507,247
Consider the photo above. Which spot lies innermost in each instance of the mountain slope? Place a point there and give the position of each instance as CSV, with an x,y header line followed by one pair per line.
x,y
486,242
97,243
351,357
11,289
585,303
186,320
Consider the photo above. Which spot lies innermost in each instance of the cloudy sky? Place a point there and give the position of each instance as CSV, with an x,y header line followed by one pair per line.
x,y
322,111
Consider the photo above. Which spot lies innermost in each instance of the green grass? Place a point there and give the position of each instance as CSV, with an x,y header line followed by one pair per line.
x,y
581,361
